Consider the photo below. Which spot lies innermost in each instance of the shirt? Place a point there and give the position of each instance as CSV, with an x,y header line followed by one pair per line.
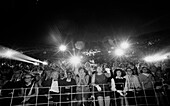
x,y
54,86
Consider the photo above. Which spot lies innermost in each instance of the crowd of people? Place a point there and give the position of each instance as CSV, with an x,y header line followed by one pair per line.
x,y
99,84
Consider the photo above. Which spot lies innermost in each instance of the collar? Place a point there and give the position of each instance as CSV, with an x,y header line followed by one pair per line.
x,y
68,80
119,77
146,74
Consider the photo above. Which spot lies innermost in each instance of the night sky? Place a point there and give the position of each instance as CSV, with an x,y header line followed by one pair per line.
x,y
31,23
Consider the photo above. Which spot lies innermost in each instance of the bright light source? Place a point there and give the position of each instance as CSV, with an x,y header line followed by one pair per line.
x,y
155,58
81,57
124,45
9,53
119,52
45,63
75,60
62,48
36,64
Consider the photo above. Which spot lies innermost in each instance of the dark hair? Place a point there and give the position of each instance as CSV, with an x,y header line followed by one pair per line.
x,y
123,73
148,70
130,69
29,74
83,69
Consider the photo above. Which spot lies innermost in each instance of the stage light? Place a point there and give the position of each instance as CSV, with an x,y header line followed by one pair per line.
x,y
45,63
119,52
62,48
124,45
75,60
15,55
36,64
155,58
9,53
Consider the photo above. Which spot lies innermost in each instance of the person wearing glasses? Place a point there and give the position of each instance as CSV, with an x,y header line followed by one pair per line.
x,y
29,90
133,86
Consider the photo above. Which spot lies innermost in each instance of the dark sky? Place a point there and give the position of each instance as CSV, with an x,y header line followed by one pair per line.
x,y
30,23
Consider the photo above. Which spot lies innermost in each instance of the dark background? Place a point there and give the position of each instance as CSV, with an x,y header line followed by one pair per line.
x,y
30,23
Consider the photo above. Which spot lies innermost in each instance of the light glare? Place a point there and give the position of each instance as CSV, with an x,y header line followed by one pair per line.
x,y
62,48
9,53
119,52
155,58
45,63
124,45
75,60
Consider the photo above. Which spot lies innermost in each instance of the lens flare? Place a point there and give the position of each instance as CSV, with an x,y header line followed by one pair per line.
x,y
45,63
75,60
119,52
15,55
62,48
156,57
125,45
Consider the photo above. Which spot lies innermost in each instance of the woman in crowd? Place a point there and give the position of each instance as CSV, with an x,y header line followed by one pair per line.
x,y
100,82
82,80
147,82
68,89
49,85
133,86
119,87
133,68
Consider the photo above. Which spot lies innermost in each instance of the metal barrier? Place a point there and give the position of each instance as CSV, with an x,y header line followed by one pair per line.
x,y
154,97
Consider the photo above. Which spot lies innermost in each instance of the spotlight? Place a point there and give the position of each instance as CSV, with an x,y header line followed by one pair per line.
x,y
119,52
75,60
62,48
9,53
155,58
45,63
36,64
124,45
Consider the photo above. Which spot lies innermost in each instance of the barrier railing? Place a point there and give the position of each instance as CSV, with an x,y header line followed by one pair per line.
x,y
68,96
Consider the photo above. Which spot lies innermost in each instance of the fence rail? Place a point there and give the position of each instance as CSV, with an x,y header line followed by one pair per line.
x,y
154,97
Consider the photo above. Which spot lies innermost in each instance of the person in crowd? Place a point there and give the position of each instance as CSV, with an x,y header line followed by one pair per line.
x,y
147,82
133,86
68,90
50,88
29,90
12,88
166,83
119,87
133,68
100,82
82,80
160,88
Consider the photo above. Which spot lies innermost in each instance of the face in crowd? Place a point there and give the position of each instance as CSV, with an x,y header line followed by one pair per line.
x,y
129,71
82,72
99,69
118,73
145,70
69,75
54,75
28,78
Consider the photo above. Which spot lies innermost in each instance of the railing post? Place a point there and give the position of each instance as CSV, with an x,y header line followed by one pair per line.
x,y
36,96
144,94
60,95
12,97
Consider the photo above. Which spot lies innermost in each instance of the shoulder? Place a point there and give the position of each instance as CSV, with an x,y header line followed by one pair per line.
x,y
140,75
